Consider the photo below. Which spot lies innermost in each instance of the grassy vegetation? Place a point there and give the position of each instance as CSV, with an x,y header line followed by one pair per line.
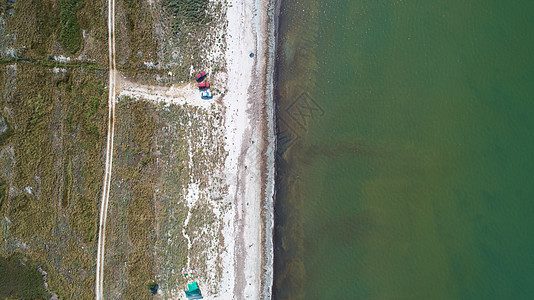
x,y
175,175
132,216
141,211
3,191
71,34
173,35
196,24
58,126
188,14
190,152
31,217
153,169
53,64
56,130
54,27
34,23
20,279
136,41
5,130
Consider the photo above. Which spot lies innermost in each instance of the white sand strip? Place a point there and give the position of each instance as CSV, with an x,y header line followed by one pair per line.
x,y
247,109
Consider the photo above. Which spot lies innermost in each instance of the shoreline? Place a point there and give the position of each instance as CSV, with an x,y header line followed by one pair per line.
x,y
249,119
269,155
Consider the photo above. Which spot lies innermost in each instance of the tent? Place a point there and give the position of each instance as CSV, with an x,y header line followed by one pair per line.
x,y
193,292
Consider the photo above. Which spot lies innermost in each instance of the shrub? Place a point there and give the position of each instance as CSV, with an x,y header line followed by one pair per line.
x,y
70,34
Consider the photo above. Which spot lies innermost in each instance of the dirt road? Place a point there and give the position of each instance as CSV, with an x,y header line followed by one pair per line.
x,y
109,153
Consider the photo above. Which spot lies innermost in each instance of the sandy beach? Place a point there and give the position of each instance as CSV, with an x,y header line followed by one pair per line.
x,y
249,167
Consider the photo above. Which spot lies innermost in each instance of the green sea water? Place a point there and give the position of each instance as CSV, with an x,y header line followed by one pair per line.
x,y
406,150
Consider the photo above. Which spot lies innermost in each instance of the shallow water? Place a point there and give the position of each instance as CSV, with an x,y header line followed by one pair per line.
x,y
405,167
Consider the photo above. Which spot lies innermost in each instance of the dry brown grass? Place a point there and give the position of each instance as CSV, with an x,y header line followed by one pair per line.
x,y
131,225
58,134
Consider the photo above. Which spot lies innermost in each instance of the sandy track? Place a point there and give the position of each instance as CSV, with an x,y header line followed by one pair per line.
x,y
109,154
178,94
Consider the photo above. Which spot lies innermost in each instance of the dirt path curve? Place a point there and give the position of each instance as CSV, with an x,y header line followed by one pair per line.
x,y
109,153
